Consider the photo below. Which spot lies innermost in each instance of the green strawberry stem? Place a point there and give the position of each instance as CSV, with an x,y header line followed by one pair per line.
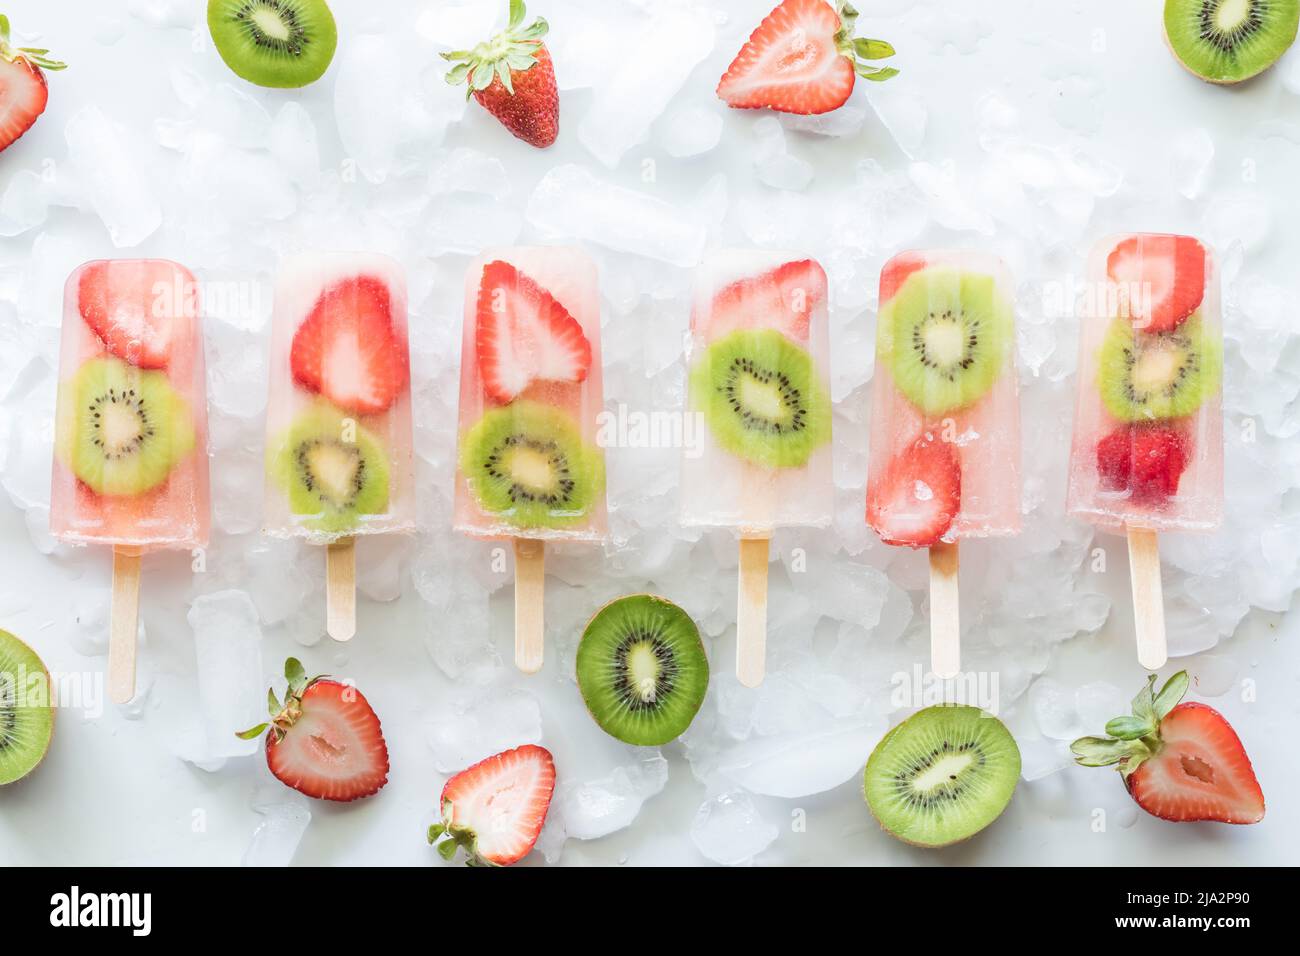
x,y
860,49
515,48
1132,740
283,716
30,53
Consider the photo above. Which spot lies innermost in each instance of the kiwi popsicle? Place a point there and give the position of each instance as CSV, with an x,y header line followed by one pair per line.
x,y
759,385
338,423
130,463
944,460
1147,449
529,467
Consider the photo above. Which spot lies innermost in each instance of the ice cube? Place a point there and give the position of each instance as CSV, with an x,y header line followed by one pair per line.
x,y
802,763
903,114
775,166
462,733
119,185
293,143
458,24
1191,161
688,131
284,822
728,829
368,97
228,659
463,170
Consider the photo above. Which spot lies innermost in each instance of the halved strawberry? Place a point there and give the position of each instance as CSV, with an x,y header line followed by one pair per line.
x,y
802,59
133,305
347,348
524,335
496,808
325,740
1145,460
915,501
1159,280
896,271
23,93
1180,762
783,298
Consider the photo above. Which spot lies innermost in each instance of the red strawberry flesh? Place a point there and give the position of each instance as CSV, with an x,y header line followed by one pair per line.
x,y
1159,280
1145,460
783,298
134,305
503,802
918,497
334,749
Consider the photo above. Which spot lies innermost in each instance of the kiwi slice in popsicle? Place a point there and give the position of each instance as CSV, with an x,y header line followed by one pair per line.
x,y
1145,377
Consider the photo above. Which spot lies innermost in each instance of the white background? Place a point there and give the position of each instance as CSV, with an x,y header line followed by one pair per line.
x,y
1092,76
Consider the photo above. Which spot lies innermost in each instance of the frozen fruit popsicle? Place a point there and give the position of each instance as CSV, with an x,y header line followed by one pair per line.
x,y
529,467
130,462
760,384
945,419
338,421
1147,450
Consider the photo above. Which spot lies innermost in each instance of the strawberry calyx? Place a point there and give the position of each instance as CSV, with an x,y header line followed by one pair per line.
x,y
515,48
1133,740
448,837
284,716
858,50
34,55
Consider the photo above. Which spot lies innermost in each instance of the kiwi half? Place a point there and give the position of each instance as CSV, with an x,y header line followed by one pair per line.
x,y
945,336
942,775
122,429
1227,41
26,709
527,464
1144,377
762,398
334,471
276,43
642,669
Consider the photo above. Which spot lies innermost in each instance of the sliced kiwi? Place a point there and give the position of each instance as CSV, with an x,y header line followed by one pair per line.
x,y
1227,41
945,336
277,43
26,709
335,472
762,398
642,669
1144,377
942,775
527,464
122,429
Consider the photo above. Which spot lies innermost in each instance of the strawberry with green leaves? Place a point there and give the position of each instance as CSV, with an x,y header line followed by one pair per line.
x,y
23,93
1179,761
512,77
324,740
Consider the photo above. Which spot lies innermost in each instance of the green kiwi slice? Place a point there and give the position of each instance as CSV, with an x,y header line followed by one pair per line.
x,y
335,472
642,669
945,336
122,429
942,775
1227,41
1143,377
527,464
26,709
276,43
762,398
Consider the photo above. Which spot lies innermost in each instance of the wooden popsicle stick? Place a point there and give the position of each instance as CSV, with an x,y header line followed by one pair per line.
x,y
530,593
1148,598
124,625
341,589
751,612
945,615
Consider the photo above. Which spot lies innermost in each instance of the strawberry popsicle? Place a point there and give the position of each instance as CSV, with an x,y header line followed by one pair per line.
x,y
1147,450
945,419
131,462
760,383
529,467
338,423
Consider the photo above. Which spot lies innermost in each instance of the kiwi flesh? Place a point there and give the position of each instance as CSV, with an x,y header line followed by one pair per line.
x,y
26,709
1147,377
527,464
642,669
122,429
276,43
762,398
945,336
335,472
942,775
1227,41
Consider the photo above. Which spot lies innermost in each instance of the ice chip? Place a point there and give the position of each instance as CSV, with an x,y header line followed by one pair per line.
x,y
728,829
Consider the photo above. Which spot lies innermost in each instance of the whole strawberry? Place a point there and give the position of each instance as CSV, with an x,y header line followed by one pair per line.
x,y
1180,762
325,740
23,93
512,78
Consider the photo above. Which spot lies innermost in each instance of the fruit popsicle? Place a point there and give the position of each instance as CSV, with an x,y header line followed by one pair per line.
x,y
1147,449
131,462
338,423
759,384
945,419
529,467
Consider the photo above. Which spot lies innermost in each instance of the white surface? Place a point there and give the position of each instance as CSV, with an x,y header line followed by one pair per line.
x,y
1030,128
